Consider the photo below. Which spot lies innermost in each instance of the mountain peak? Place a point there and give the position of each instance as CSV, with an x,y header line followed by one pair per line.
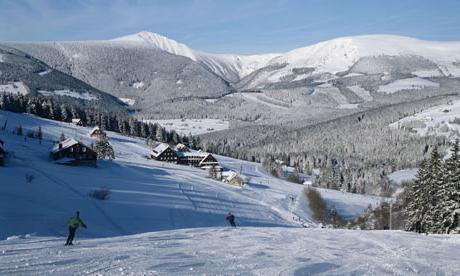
x,y
160,42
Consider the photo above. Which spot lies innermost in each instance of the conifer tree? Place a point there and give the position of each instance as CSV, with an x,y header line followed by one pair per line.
x,y
62,137
103,149
448,211
435,182
415,199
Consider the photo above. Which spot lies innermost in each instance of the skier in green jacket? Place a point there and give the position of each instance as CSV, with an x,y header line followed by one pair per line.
x,y
74,222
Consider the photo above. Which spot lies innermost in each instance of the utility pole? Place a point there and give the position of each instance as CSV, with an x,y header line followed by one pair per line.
x,y
391,208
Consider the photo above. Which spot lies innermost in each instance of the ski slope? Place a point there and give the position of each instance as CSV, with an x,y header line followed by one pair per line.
x,y
240,251
146,195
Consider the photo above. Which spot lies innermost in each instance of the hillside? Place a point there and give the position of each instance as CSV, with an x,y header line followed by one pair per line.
x,y
146,195
22,74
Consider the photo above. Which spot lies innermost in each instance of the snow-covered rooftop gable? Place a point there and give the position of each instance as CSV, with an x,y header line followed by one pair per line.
x,y
193,153
181,147
160,149
96,128
67,143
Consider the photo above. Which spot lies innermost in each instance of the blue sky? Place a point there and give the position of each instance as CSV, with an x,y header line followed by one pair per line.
x,y
232,26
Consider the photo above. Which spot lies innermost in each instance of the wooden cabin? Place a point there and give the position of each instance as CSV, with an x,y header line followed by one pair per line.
x,y
73,152
78,122
97,132
198,159
163,152
2,153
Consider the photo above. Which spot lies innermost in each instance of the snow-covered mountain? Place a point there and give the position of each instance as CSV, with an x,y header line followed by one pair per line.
x,y
230,67
162,78
332,56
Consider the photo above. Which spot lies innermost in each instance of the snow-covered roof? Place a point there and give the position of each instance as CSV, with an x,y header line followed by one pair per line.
x,y
192,154
229,175
181,147
67,143
160,149
76,120
96,128
203,162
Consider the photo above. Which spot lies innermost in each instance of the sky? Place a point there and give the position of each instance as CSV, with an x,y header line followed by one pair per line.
x,y
230,26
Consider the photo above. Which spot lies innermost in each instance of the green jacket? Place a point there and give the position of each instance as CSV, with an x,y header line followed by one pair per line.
x,y
75,222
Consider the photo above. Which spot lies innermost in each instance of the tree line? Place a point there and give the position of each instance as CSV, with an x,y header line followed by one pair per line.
x,y
46,107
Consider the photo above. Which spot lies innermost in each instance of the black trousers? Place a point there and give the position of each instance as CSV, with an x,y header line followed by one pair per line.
x,y
71,236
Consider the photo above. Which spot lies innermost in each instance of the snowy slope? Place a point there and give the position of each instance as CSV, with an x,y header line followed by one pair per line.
x,y
339,54
332,56
441,120
231,67
146,195
240,251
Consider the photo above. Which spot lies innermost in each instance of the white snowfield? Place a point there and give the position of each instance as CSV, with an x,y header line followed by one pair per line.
x,y
69,93
17,87
193,126
410,83
439,120
240,251
336,55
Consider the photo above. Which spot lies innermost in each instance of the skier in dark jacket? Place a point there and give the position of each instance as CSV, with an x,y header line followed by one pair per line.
x,y
231,219
74,222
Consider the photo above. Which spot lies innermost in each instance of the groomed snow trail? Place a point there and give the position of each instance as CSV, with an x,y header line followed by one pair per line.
x,y
239,251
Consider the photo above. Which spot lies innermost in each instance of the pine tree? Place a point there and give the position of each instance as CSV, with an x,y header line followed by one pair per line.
x,y
62,137
159,136
415,199
448,211
435,182
103,149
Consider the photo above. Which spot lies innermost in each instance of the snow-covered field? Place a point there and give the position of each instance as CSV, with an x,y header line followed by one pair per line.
x,y
240,251
193,126
407,84
398,177
439,120
349,205
17,87
68,93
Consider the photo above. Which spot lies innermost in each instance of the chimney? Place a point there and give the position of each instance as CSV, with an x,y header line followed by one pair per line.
x,y
60,145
